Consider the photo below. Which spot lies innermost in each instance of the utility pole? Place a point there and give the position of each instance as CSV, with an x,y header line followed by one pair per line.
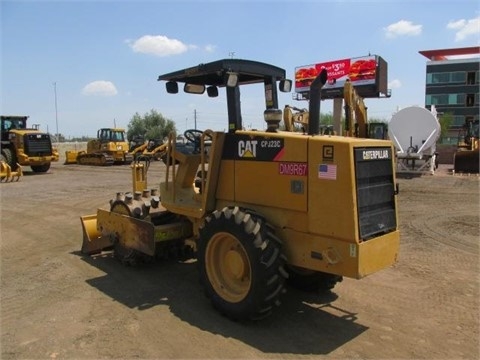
x,y
195,118
56,111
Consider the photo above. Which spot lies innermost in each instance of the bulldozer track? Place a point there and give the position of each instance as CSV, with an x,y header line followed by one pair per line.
x,y
96,159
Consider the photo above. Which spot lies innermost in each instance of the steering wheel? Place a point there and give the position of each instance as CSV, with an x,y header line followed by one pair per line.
x,y
193,135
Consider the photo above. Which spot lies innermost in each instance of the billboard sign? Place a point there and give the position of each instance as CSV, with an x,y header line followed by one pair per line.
x,y
360,71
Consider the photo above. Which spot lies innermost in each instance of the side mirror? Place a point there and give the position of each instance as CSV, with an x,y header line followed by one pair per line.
x,y
212,91
285,85
194,88
172,87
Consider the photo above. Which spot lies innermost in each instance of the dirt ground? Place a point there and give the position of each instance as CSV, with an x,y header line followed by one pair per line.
x,y
57,304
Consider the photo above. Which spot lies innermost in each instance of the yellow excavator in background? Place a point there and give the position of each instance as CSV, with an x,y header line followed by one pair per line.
x,y
377,130
258,208
293,119
356,119
466,158
355,112
296,120
109,148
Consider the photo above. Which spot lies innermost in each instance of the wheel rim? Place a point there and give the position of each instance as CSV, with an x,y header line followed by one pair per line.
x,y
228,267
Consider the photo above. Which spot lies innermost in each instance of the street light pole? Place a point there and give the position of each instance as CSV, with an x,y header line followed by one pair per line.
x,y
56,111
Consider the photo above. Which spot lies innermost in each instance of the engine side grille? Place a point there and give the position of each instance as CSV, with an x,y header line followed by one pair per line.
x,y
37,145
375,192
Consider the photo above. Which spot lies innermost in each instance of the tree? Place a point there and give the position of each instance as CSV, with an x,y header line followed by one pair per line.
x,y
151,125
445,121
326,119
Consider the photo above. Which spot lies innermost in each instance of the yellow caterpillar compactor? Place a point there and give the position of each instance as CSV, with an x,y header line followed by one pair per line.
x,y
258,208
109,148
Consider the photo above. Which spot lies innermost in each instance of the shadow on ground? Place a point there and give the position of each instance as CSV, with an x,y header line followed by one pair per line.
x,y
305,323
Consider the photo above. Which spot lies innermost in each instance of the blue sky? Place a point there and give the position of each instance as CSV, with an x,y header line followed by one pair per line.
x,y
104,57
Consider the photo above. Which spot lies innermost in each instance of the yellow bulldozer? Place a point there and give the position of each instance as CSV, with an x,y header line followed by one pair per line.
x,y
466,158
258,209
109,148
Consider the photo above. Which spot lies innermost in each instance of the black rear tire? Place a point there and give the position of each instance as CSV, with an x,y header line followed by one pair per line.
x,y
9,158
41,168
240,264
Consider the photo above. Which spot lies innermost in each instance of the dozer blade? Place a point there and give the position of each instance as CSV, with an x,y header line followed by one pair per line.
x,y
93,241
71,157
102,231
466,162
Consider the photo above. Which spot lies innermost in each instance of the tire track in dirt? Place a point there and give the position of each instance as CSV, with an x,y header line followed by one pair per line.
x,y
450,230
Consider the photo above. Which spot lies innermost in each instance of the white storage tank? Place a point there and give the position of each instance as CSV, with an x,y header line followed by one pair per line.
x,y
414,132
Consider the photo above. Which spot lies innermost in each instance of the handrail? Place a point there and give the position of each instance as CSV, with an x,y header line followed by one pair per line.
x,y
170,158
205,134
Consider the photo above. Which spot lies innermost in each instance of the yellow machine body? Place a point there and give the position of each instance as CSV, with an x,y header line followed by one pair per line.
x,y
315,213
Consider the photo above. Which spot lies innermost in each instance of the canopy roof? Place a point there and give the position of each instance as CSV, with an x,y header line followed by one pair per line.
x,y
215,73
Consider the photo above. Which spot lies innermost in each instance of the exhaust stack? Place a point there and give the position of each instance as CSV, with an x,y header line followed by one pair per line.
x,y
314,104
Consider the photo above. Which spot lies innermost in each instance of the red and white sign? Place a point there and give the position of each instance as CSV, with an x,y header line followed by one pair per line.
x,y
360,71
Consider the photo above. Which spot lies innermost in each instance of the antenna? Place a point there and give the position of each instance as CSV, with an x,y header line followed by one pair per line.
x,y
57,136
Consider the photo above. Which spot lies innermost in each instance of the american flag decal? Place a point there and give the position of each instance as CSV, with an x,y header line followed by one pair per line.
x,y
326,171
